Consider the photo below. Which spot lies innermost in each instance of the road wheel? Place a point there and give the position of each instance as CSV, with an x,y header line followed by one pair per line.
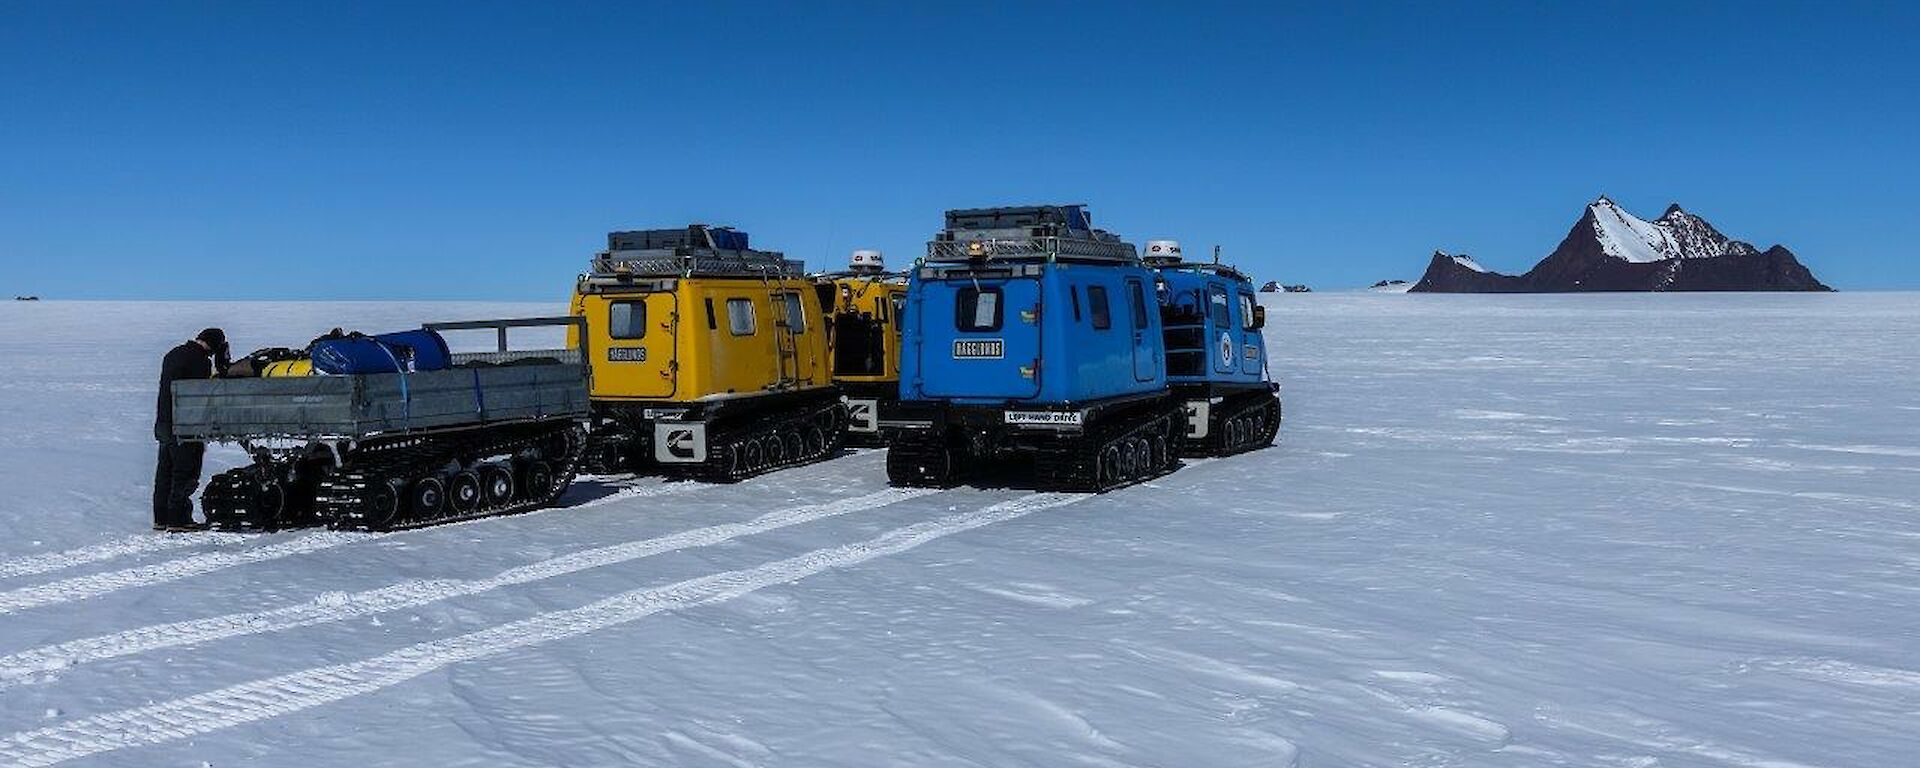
x,y
496,485
537,480
463,492
429,497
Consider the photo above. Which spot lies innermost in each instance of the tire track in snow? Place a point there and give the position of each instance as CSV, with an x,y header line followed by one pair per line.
x,y
18,668
28,565
108,550
94,585
298,691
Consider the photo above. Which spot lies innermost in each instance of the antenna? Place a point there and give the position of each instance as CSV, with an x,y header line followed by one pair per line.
x,y
1216,254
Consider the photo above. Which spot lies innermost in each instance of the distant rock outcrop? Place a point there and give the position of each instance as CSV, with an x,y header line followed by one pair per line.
x,y
1447,273
1609,249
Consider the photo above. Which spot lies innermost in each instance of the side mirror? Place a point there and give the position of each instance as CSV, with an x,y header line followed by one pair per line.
x,y
1259,317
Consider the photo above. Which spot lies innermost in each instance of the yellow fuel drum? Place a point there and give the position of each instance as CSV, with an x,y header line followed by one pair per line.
x,y
287,368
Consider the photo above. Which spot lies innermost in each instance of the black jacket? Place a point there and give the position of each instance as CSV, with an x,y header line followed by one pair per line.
x,y
187,361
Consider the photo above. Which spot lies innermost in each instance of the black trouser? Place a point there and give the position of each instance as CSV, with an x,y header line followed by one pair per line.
x,y
174,480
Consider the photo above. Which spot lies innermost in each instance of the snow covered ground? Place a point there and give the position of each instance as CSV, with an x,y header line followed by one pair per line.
x,y
1589,530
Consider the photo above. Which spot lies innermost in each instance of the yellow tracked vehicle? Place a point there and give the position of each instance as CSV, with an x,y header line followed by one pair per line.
x,y
863,306
710,358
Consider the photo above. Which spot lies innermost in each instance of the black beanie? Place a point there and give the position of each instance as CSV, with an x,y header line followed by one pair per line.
x,y
214,338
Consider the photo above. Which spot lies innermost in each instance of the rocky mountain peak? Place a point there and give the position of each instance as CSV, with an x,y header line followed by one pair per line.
x,y
1610,249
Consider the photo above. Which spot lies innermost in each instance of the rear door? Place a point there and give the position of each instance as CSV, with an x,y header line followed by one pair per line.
x,y
1226,332
1146,353
981,339
634,337
1252,348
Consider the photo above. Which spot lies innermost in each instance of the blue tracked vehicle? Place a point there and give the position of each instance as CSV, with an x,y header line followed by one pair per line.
x,y
1031,335
1216,355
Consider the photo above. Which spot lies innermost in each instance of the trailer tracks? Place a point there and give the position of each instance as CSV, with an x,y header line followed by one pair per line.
x,y
17,668
77,588
139,544
265,698
96,584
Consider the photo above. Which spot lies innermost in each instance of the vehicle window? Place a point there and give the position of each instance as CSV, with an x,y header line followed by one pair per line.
x,y
1073,292
899,312
627,319
1139,296
1097,305
740,316
796,314
978,309
1222,316
710,323
1246,311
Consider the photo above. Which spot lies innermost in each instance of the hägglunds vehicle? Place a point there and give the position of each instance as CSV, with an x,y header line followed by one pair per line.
x,y
393,431
1216,355
863,305
1032,336
709,358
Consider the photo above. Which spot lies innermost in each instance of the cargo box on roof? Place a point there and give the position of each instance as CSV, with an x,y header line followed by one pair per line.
x,y
695,236
1012,217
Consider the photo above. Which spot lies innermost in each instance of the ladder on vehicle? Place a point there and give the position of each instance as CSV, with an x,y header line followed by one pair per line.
x,y
1186,341
786,347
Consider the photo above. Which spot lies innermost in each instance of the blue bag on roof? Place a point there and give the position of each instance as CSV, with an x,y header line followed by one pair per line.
x,y
420,350
728,239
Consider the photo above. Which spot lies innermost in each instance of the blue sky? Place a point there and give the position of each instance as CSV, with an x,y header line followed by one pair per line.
x,y
482,150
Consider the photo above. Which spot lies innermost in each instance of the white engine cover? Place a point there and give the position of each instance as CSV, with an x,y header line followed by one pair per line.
x,y
676,442
863,415
1198,412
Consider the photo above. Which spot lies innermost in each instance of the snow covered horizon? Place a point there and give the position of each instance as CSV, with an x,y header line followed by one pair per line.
x,y
1497,530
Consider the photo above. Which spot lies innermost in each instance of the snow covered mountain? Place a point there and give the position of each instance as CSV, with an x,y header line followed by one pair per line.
x,y
1609,249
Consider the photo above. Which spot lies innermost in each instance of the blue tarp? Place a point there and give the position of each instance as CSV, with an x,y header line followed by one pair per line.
x,y
420,350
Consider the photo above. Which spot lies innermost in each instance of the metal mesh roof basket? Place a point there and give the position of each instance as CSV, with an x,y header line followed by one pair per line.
x,y
694,251
1027,232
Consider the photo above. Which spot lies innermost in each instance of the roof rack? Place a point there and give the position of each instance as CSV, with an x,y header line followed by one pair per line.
x,y
895,274
1224,270
696,262
694,251
1047,232
1049,248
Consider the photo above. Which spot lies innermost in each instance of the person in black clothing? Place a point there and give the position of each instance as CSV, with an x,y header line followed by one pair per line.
x,y
178,472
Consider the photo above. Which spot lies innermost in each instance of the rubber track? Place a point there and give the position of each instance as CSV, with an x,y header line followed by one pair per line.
x,y
265,698
1071,466
18,668
1214,444
719,466
919,458
345,498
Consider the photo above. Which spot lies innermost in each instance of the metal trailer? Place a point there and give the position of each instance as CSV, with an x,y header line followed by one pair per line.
x,y
497,433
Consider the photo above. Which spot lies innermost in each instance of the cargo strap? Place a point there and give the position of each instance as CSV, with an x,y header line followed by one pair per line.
x,y
406,398
479,395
